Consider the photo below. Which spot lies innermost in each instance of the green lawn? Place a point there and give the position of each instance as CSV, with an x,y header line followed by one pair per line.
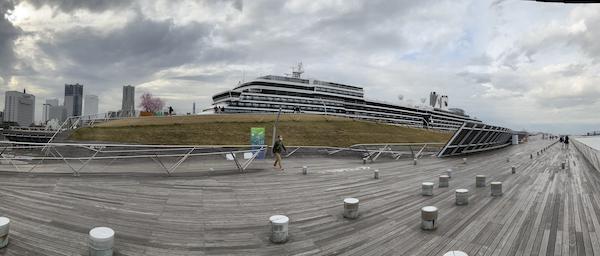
x,y
232,129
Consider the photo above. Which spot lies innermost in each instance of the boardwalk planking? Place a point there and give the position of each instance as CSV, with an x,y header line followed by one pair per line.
x,y
544,210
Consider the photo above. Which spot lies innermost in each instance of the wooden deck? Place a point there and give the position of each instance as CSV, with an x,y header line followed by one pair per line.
x,y
544,210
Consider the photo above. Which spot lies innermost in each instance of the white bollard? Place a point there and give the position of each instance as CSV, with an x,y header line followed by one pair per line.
x,y
427,188
4,230
455,253
429,216
462,196
101,241
443,181
415,161
496,188
304,170
365,160
513,169
449,173
279,228
465,160
376,174
351,208
480,181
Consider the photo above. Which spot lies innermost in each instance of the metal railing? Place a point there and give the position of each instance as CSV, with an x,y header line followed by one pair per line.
x,y
27,157
77,156
591,154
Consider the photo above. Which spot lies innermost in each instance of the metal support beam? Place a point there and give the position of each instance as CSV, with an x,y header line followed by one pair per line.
x,y
293,151
181,160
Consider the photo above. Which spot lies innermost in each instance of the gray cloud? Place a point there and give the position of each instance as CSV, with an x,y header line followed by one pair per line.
x,y
573,70
8,34
129,54
483,53
90,5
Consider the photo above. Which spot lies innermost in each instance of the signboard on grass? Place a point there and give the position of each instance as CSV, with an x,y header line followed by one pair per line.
x,y
257,139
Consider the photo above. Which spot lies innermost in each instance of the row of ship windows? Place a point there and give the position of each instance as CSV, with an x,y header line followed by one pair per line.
x,y
305,101
321,109
321,89
343,86
391,119
291,107
291,100
317,102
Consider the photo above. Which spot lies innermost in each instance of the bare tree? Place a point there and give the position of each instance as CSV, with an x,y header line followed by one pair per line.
x,y
150,103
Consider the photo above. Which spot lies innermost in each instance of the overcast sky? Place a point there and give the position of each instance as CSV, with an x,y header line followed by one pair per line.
x,y
518,64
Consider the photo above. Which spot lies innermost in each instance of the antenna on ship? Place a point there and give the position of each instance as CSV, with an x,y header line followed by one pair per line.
x,y
298,71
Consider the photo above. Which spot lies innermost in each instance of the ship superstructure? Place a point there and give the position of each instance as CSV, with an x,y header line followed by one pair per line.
x,y
295,94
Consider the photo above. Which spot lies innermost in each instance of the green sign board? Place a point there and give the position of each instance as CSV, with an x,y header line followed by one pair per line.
x,y
257,139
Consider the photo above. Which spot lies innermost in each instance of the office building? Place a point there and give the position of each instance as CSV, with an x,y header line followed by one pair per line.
x,y
19,107
73,99
49,110
90,105
128,104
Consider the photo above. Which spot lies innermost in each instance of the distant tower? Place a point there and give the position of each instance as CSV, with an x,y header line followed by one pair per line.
x,y
128,104
73,99
19,107
90,105
49,106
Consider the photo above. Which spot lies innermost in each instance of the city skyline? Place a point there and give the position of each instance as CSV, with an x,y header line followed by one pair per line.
x,y
518,64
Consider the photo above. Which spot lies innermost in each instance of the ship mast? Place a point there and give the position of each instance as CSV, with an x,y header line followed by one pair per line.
x,y
298,71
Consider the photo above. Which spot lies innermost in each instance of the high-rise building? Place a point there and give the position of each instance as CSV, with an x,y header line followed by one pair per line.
x,y
128,104
50,109
73,99
19,107
90,105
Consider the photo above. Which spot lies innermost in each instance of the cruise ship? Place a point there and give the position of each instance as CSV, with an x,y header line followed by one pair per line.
x,y
292,93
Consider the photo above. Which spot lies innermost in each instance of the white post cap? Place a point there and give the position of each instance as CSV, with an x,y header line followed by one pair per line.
x,y
102,238
455,253
351,200
279,219
4,225
429,209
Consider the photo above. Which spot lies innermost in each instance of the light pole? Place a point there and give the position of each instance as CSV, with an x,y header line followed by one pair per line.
x,y
275,129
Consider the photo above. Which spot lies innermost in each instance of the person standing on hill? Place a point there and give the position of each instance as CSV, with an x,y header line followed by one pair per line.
x,y
567,142
277,148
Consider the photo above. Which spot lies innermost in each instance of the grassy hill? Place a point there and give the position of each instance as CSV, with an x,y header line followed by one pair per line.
x,y
234,129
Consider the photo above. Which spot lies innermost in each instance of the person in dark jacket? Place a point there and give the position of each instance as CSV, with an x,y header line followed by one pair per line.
x,y
567,142
278,147
561,140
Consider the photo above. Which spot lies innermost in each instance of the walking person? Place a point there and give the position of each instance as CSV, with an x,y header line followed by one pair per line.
x,y
567,142
561,140
277,148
